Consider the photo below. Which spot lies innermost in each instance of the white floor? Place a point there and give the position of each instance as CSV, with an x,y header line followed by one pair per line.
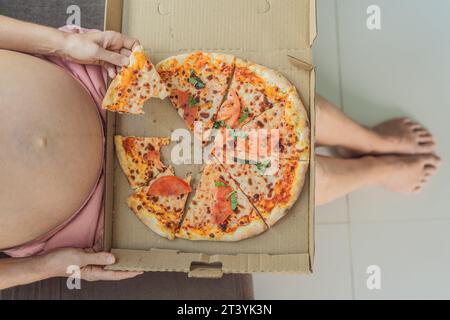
x,y
402,69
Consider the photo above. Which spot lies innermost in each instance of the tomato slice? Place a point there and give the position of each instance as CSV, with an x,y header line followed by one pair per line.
x,y
128,145
222,208
169,186
190,115
230,110
183,98
189,112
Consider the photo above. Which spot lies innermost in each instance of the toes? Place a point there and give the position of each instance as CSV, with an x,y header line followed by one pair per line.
x,y
407,120
430,161
430,171
426,147
416,127
417,189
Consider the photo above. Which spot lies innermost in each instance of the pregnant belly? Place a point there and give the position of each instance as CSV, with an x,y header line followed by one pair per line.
x,y
51,147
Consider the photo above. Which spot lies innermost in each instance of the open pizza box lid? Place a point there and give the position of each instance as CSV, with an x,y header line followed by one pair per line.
x,y
278,34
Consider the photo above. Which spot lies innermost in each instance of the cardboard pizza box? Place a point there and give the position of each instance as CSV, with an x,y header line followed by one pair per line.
x,y
278,34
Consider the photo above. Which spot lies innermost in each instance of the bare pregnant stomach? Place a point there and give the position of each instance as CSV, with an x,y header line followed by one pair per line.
x,y
51,147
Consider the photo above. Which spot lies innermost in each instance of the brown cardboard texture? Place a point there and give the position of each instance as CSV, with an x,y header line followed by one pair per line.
x,y
277,34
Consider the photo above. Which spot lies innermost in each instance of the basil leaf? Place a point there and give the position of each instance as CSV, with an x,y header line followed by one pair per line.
x,y
218,124
262,166
196,81
220,184
193,101
244,115
233,200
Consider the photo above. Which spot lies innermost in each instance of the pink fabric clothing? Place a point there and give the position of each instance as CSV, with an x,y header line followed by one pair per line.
x,y
85,228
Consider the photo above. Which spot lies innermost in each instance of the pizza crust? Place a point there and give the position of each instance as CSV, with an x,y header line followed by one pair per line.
x,y
280,211
149,220
250,230
149,214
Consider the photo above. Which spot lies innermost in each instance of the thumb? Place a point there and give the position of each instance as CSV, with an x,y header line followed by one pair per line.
x,y
98,258
112,57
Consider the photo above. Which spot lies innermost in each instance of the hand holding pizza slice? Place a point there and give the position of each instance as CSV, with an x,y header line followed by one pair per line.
x,y
135,84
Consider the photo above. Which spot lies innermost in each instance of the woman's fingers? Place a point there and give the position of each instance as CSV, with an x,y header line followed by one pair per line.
x,y
112,57
111,69
125,52
96,258
128,42
96,273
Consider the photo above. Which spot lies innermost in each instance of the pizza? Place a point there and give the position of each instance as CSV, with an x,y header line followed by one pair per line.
x,y
140,158
262,116
280,131
160,205
197,83
134,84
272,186
219,211
253,90
259,155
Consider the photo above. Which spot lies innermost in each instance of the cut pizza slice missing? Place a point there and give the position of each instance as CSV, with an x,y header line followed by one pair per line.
x,y
140,158
197,82
272,186
134,84
219,211
160,205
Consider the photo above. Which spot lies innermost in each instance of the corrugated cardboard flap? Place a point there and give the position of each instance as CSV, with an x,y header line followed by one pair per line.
x,y
159,259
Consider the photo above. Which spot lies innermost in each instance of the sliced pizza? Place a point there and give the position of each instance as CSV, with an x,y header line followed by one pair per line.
x,y
134,84
253,90
140,158
160,205
219,211
280,131
197,82
271,186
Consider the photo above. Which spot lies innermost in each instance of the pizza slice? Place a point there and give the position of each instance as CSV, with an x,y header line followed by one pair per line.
x,y
219,211
140,158
197,82
134,84
160,205
281,131
272,186
253,90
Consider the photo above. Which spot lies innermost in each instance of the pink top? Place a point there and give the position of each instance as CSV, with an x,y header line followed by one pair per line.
x,y
85,228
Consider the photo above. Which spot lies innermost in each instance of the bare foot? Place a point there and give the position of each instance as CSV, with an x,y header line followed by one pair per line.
x,y
395,136
405,174
405,136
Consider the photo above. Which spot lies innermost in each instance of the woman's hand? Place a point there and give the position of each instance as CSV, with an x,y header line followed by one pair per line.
x,y
109,49
91,265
